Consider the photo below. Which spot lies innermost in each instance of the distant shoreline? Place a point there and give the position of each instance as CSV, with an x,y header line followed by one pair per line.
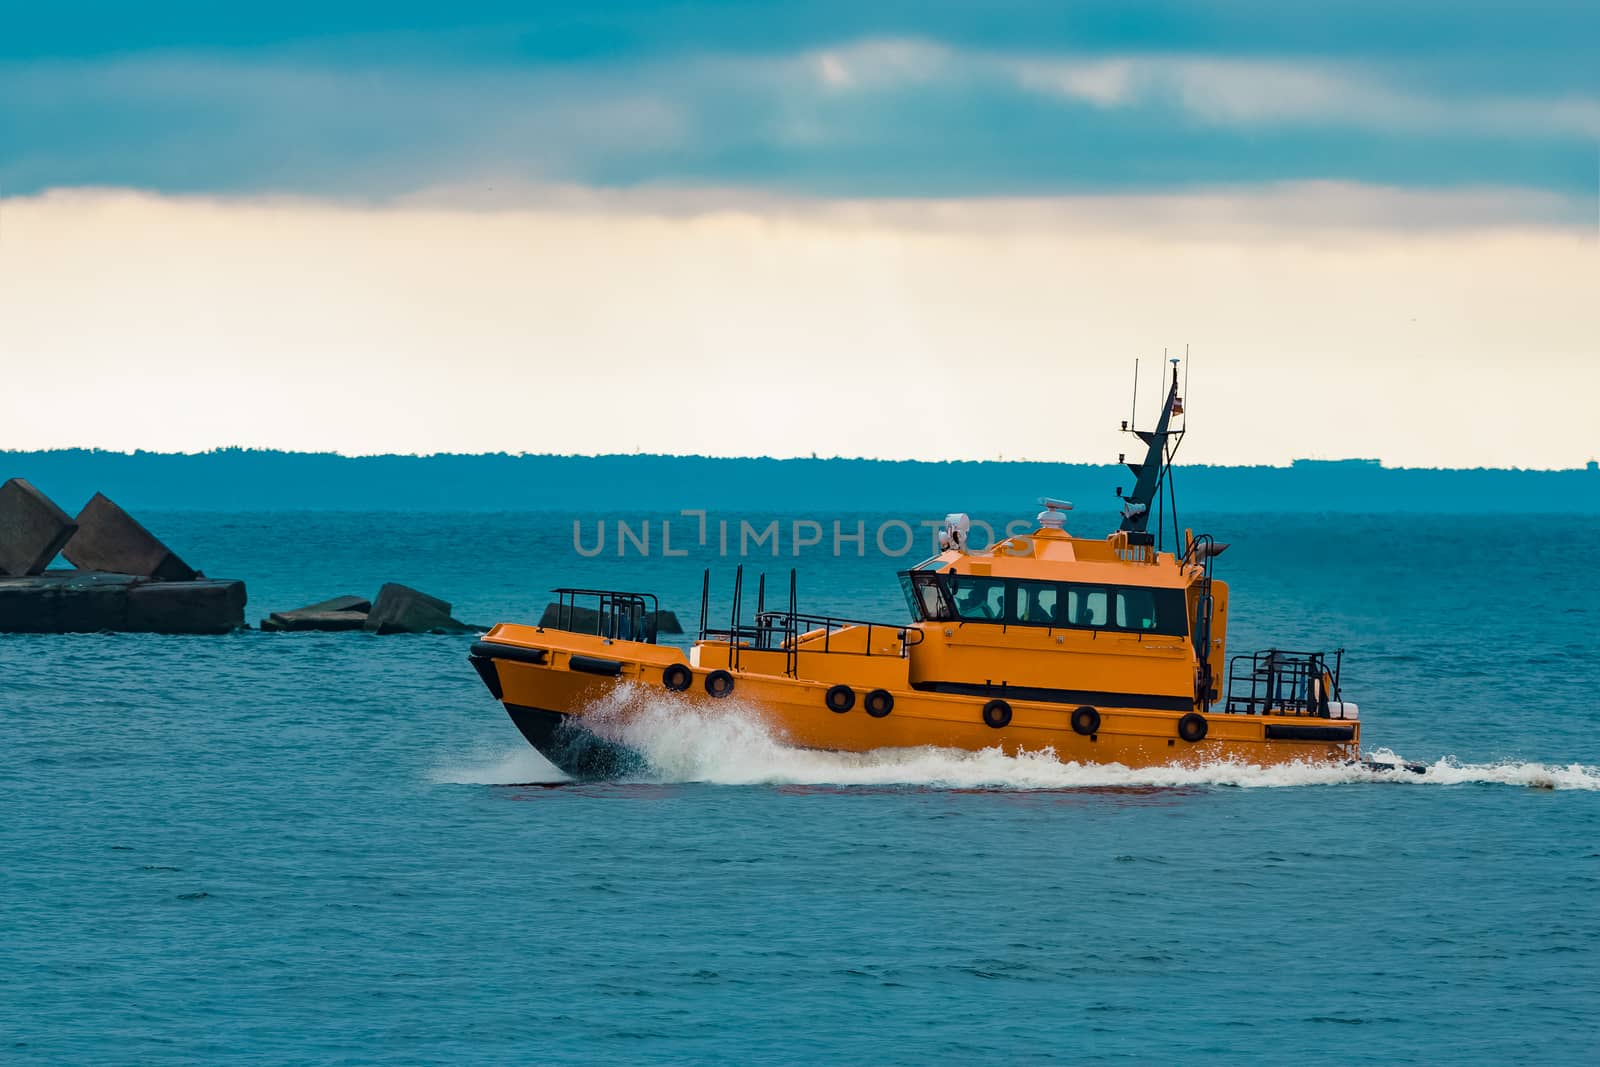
x,y
251,480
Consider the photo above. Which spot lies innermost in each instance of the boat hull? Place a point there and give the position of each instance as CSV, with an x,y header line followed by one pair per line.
x,y
572,696
562,739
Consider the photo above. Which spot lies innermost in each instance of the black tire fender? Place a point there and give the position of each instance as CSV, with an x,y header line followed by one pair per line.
x,y
997,713
719,683
677,677
1193,727
879,703
840,698
1086,721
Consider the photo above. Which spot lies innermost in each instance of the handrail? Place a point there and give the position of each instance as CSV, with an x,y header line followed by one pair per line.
x,y
618,613
774,629
1284,682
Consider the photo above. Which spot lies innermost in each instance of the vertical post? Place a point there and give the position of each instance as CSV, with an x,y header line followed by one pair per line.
x,y
761,610
705,600
733,627
792,631
1186,387
1133,416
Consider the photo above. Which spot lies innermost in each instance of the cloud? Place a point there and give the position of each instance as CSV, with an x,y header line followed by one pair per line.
x,y
881,116
1513,46
208,122
1229,91
880,64
1103,82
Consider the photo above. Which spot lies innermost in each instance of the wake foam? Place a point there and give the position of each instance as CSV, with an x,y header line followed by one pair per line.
x,y
729,745
515,766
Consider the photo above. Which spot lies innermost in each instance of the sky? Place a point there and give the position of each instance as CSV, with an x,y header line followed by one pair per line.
x,y
929,230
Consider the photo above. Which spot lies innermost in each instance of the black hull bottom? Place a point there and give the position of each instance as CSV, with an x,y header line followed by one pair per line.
x,y
573,749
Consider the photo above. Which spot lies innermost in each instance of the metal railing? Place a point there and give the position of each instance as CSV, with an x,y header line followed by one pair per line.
x,y
774,630
616,614
1281,682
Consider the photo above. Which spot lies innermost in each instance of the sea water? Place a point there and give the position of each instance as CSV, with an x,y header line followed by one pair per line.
x,y
335,848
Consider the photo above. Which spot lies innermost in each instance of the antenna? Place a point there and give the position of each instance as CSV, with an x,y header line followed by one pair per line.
x,y
1185,387
1133,419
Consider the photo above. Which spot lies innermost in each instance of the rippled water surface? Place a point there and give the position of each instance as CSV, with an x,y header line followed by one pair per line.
x,y
335,848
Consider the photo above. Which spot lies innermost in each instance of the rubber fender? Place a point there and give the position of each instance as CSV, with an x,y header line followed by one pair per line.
x,y
1086,721
595,665
719,683
997,713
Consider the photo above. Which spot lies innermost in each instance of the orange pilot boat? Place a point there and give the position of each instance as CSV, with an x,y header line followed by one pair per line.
x,y
1100,650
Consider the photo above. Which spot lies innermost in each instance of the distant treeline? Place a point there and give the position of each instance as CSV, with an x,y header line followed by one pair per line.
x,y
250,480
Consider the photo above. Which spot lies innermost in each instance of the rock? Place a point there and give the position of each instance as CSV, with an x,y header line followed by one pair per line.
x,y
70,601
339,603
583,620
109,539
340,613
32,528
400,609
208,606
314,620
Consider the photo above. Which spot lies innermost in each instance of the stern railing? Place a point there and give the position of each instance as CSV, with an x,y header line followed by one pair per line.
x,y
1280,682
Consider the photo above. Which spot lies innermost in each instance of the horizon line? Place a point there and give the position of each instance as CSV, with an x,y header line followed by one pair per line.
x,y
1349,462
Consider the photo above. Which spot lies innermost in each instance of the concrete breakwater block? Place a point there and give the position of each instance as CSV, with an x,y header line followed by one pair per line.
x,y
576,619
206,606
62,602
32,529
340,613
77,601
399,609
109,539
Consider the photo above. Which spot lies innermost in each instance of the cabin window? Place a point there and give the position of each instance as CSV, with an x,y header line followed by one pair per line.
x,y
1087,605
944,597
1136,609
926,596
1075,605
1158,611
978,599
1036,604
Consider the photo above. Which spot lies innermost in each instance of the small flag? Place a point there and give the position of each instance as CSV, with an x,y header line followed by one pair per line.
x,y
1177,405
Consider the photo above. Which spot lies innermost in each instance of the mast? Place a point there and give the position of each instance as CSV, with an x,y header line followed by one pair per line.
x,y
1150,475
